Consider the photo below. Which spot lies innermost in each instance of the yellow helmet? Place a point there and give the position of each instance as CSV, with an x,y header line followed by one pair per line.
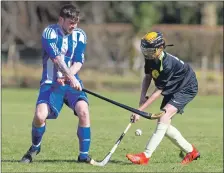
x,y
150,42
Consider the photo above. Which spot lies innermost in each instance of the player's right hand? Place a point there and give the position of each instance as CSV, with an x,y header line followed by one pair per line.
x,y
134,118
74,83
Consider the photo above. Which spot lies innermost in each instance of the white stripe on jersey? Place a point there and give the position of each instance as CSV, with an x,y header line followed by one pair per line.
x,y
74,43
50,70
64,46
54,47
83,37
49,33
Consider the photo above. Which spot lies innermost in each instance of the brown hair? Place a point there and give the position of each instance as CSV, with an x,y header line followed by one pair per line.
x,y
70,11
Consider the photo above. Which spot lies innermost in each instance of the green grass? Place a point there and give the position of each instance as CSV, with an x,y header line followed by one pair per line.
x,y
202,125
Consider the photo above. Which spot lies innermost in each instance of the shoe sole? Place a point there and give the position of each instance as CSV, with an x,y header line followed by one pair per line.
x,y
196,158
137,163
25,161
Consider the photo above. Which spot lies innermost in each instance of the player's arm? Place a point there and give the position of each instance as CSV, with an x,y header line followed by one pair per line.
x,y
78,58
160,83
62,67
145,82
49,40
155,95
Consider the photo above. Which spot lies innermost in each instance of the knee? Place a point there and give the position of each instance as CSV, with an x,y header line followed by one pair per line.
x,y
40,117
165,119
170,112
83,115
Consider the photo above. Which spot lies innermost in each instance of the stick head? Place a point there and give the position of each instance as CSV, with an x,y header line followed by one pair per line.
x,y
103,162
158,115
95,163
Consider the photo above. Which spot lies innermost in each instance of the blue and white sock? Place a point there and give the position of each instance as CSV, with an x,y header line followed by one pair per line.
x,y
84,135
37,134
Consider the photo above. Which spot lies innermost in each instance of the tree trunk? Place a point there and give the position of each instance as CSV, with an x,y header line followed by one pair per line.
x,y
209,16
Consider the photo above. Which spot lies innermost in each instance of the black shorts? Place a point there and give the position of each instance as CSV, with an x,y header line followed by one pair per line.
x,y
182,97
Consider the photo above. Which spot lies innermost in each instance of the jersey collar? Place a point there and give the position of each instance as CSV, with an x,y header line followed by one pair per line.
x,y
161,60
162,56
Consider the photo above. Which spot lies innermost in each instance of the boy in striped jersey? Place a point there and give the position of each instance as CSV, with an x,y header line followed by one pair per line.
x,y
63,46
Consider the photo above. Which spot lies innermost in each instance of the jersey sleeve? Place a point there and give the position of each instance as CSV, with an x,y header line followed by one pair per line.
x,y
165,75
81,46
49,42
147,67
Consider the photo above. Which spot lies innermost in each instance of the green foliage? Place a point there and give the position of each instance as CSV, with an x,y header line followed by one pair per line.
x,y
116,12
146,15
220,13
189,14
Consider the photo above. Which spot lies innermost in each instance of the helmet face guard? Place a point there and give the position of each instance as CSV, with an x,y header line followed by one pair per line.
x,y
150,43
148,52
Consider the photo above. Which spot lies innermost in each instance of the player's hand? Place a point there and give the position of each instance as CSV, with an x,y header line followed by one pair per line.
x,y
134,118
61,81
74,83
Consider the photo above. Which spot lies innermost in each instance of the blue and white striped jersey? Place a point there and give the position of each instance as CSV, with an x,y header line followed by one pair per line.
x,y
54,43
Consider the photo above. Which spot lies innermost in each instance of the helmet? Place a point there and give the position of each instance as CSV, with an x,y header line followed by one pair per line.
x,y
153,40
150,42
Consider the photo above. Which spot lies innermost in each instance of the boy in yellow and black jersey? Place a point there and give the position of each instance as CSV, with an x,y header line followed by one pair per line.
x,y
177,82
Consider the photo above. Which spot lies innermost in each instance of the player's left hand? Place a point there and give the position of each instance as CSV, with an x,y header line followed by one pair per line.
x,y
135,117
62,80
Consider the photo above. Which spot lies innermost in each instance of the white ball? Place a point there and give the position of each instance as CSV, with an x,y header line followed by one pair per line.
x,y
138,132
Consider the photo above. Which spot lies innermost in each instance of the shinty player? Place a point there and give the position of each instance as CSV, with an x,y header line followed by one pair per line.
x,y
63,56
177,82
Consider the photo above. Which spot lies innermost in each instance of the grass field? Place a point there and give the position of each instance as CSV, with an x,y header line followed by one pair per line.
x,y
201,124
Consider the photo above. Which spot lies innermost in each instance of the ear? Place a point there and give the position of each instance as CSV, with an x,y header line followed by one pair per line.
x,y
161,47
61,19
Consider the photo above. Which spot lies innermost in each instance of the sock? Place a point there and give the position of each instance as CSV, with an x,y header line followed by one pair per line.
x,y
84,135
156,138
175,136
37,134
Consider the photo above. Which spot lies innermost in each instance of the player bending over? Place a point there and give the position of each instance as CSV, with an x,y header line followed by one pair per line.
x,y
63,47
177,82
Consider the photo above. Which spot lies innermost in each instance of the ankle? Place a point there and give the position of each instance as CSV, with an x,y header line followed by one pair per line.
x,y
147,155
83,156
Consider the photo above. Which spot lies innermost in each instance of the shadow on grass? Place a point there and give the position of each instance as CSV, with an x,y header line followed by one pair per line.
x,y
65,161
41,161
120,162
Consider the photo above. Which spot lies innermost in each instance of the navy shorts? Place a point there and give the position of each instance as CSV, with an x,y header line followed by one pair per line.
x,y
55,95
182,97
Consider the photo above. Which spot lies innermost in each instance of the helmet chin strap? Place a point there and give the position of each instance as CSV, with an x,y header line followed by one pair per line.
x,y
168,45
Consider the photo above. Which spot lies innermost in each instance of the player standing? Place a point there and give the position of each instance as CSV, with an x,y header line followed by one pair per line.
x,y
177,82
63,47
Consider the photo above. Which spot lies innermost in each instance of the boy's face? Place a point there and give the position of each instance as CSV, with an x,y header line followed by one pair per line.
x,y
151,53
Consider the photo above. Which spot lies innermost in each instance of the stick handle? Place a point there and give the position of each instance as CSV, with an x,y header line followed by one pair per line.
x,y
141,113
